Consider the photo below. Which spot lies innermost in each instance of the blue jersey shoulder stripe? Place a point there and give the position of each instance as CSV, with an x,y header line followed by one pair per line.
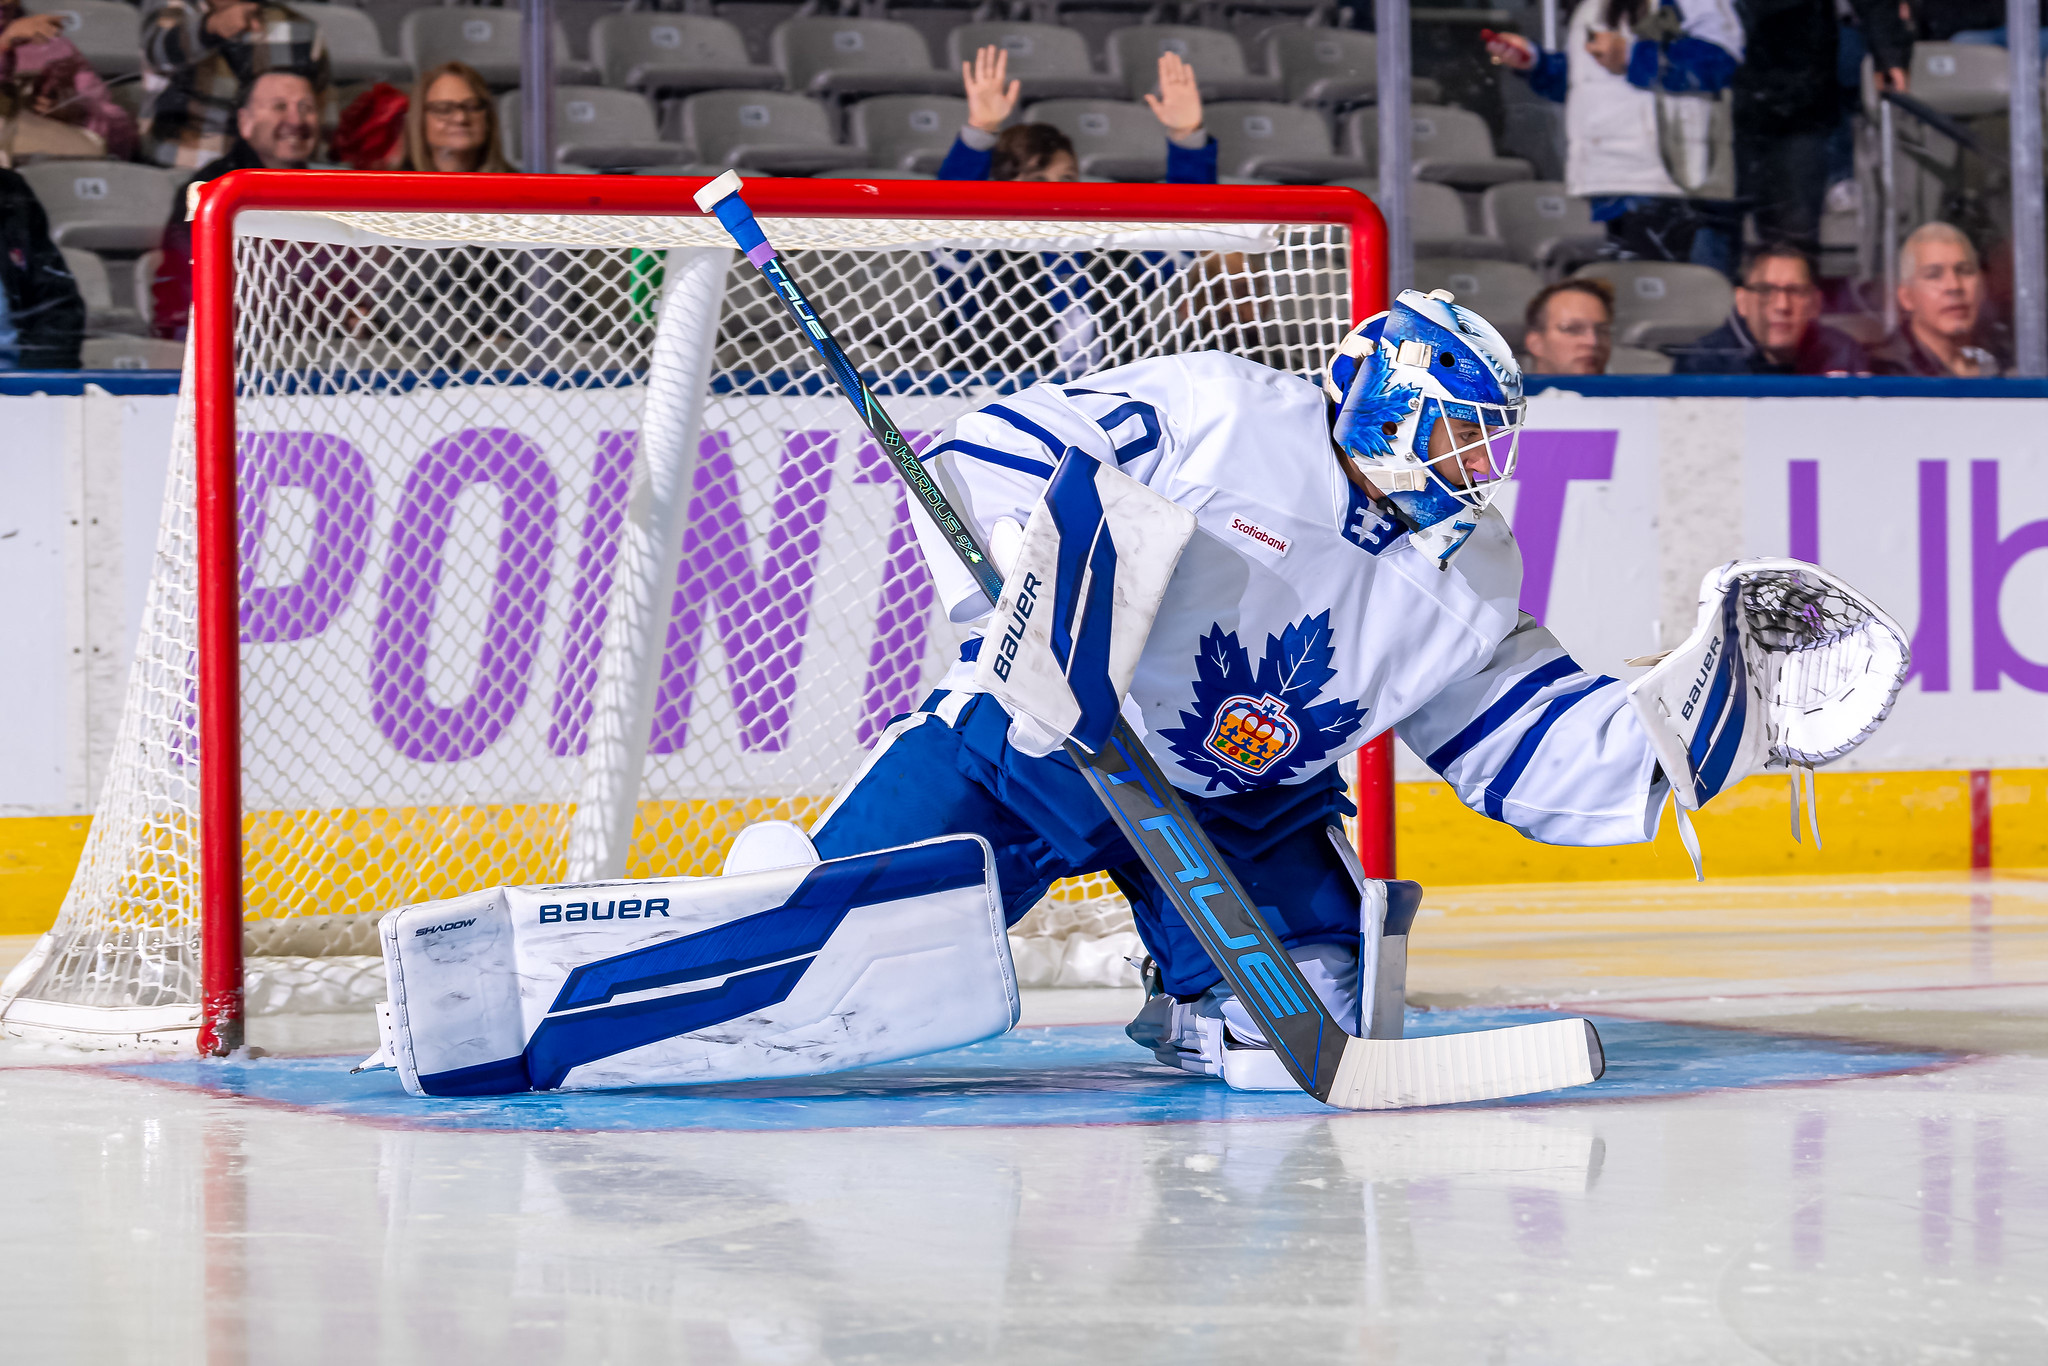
x,y
1053,445
1037,469
1525,748
1501,712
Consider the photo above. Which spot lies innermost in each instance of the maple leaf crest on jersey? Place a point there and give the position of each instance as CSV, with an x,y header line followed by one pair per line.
x,y
1252,729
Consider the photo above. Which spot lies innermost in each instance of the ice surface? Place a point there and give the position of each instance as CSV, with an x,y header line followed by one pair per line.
x,y
1051,1197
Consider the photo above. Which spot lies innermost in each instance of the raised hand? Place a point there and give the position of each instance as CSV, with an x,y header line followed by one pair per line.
x,y
990,95
31,28
1178,104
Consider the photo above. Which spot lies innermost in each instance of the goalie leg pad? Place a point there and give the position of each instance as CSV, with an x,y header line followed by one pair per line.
x,y
791,971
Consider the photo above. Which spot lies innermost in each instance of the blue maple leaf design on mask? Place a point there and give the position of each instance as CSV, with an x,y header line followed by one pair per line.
x,y
1363,431
1254,728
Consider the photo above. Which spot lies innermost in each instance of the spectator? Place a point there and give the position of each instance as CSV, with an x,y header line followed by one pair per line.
x,y
1629,72
1941,300
1775,327
52,78
278,124
371,134
1570,328
42,315
200,56
452,123
1038,151
1788,104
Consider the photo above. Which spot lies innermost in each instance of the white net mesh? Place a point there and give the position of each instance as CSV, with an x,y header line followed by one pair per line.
x,y
438,426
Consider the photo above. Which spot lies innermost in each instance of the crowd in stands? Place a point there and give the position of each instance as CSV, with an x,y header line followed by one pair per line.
x,y
1701,136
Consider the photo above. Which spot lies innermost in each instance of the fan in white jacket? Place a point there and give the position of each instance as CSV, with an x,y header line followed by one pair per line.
x,y
1626,65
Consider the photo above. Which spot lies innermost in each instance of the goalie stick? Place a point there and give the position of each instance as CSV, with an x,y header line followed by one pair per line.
x,y
1335,1067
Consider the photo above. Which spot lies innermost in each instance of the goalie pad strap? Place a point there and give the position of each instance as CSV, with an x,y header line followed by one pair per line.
x,y
1079,600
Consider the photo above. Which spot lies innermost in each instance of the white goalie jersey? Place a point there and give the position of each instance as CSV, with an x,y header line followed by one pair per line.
x,y
1301,622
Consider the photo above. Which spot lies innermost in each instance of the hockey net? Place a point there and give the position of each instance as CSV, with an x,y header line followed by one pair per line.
x,y
437,442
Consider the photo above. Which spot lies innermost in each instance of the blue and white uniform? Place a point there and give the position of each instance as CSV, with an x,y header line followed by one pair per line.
x,y
1302,622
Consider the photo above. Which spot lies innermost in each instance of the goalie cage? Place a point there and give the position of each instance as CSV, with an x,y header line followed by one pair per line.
x,y
512,536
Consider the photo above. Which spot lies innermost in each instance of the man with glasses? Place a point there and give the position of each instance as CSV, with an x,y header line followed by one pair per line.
x,y
1775,326
1570,328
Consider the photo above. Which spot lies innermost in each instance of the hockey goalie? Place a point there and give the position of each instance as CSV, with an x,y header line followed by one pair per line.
x,y
1259,575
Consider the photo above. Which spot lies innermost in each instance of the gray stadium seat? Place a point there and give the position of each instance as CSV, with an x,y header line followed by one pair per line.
x,y
762,129
104,205
675,54
906,132
1449,145
1542,225
1282,142
106,33
873,173
1967,80
1218,61
487,39
1113,139
1436,222
1637,360
131,353
853,57
595,127
354,51
1331,67
1663,303
102,314
1498,290
1047,61
1323,65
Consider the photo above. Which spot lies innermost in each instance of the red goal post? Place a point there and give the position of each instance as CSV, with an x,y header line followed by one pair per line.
x,y
220,856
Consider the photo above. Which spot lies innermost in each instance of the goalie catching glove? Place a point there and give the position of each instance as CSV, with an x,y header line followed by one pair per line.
x,y
1789,668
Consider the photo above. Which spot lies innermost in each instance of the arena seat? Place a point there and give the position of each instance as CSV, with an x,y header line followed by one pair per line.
x,y
757,21
1541,224
1436,222
1450,145
486,39
131,353
762,130
906,132
675,54
1281,142
104,205
1324,66
1220,71
1114,139
1048,62
1663,303
595,127
1966,80
105,32
354,51
102,314
1637,360
1499,290
854,57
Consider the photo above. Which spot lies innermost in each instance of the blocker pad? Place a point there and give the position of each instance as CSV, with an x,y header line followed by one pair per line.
x,y
789,971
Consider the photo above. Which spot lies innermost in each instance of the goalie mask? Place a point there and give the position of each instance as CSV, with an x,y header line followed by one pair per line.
x,y
1427,364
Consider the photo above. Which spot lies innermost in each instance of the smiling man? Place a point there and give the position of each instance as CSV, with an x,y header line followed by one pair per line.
x,y
1941,296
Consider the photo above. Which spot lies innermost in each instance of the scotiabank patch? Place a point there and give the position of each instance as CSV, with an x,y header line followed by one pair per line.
x,y
1252,531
